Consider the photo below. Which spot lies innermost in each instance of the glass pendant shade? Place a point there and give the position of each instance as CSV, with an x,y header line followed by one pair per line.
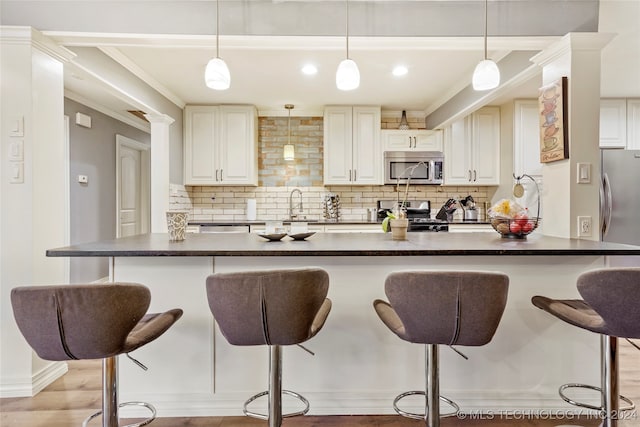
x,y
217,75
289,152
348,75
486,75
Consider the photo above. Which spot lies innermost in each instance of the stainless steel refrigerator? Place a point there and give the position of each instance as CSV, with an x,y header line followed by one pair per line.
x,y
620,201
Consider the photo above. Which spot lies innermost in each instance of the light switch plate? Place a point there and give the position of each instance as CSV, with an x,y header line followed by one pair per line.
x,y
16,150
16,172
17,127
584,173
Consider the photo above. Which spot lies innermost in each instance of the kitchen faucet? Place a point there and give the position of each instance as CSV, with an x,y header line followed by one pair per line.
x,y
293,216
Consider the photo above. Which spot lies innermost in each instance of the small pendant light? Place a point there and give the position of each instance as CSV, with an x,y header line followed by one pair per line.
x,y
486,75
288,151
348,75
216,75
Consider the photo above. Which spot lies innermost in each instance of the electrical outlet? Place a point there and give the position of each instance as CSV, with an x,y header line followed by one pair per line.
x,y
584,226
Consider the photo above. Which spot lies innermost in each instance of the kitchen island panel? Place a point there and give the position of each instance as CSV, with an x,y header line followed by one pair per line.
x,y
360,366
181,371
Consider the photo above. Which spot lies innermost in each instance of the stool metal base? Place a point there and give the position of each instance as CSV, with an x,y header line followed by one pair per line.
x,y
422,416
266,416
586,405
610,397
140,424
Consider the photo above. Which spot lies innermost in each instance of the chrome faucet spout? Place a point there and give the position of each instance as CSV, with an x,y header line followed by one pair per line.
x,y
292,215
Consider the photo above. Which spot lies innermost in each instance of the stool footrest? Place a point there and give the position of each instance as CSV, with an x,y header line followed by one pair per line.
x,y
586,405
140,424
413,415
266,416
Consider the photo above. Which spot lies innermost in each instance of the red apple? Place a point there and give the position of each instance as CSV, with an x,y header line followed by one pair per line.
x,y
515,227
521,219
527,227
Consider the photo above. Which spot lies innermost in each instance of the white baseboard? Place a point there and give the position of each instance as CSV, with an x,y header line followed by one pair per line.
x,y
36,383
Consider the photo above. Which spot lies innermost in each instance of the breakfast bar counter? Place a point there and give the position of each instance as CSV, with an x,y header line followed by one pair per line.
x,y
342,244
358,367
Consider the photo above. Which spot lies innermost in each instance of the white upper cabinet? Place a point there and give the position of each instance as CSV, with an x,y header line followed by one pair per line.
x,y
352,153
220,145
472,149
633,124
613,123
620,123
526,143
411,140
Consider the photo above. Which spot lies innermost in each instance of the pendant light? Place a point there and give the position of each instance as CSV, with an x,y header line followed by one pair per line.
x,y
486,75
216,75
348,75
288,151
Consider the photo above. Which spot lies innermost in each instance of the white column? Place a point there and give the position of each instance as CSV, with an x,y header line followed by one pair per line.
x,y
35,205
159,170
577,57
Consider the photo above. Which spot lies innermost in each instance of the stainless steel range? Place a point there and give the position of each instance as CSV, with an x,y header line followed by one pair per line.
x,y
418,213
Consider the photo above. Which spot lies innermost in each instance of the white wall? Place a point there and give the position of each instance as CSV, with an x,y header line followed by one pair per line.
x,y
33,212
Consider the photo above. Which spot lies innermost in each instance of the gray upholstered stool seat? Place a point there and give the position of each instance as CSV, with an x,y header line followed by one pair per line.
x,y
273,308
91,321
610,307
441,307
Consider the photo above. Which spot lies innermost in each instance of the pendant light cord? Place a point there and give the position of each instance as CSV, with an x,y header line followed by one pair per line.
x,y
217,30
485,29
347,24
289,128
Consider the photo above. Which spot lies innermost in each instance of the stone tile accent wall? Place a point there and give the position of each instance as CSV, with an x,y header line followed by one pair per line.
x,y
229,203
306,137
391,119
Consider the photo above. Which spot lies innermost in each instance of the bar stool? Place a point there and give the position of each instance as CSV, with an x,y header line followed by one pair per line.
x,y
273,308
91,321
441,307
610,307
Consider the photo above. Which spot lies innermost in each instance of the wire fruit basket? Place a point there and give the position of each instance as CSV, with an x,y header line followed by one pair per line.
x,y
515,228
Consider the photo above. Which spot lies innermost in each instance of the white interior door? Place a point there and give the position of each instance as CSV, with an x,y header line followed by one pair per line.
x,y
132,175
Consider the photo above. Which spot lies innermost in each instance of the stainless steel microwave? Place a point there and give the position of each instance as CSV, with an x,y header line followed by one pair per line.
x,y
424,167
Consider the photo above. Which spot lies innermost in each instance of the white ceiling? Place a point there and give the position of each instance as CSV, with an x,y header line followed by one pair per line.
x,y
265,70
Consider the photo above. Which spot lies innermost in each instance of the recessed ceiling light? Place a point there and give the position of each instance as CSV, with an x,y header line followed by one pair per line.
x,y
309,69
400,70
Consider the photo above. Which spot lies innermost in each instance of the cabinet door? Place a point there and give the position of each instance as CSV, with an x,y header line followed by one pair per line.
x,y
200,151
396,140
633,124
411,140
613,129
338,145
486,146
367,155
428,140
457,153
526,144
238,146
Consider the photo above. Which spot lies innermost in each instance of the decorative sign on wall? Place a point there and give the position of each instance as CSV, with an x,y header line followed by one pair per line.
x,y
554,141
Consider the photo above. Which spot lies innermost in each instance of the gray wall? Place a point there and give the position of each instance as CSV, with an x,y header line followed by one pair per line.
x,y
92,152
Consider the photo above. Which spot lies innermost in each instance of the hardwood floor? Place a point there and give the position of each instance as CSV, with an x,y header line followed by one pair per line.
x,y
70,399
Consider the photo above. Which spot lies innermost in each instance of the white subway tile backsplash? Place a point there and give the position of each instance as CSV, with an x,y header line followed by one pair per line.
x,y
273,202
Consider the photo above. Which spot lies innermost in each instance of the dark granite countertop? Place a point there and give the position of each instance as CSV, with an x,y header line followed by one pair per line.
x,y
342,244
318,222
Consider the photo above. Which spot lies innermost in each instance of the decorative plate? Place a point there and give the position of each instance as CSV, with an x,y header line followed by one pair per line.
x,y
272,237
302,236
